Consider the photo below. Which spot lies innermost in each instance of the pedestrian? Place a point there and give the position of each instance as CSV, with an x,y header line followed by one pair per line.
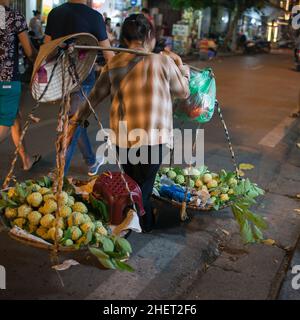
x,y
66,19
13,30
146,13
141,90
35,26
110,33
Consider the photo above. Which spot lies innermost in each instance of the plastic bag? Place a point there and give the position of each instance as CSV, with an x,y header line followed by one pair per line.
x,y
200,106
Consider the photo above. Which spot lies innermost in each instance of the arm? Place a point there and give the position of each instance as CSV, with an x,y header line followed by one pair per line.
x,y
47,38
179,77
27,46
107,54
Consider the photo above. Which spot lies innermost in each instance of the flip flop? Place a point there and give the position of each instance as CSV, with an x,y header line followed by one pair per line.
x,y
36,158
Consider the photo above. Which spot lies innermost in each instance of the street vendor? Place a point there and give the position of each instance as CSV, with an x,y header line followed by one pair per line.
x,y
141,89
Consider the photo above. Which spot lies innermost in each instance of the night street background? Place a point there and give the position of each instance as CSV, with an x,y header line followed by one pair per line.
x,y
203,259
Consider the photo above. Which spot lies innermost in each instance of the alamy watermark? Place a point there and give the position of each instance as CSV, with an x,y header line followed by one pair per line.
x,y
296,278
2,278
2,17
296,17
181,147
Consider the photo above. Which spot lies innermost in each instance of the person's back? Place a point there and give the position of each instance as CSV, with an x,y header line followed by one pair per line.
x,y
70,18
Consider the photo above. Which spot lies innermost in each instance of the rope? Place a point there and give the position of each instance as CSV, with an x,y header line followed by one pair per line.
x,y
233,157
25,129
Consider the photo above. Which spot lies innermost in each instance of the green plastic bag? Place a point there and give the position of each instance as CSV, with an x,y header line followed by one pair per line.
x,y
200,106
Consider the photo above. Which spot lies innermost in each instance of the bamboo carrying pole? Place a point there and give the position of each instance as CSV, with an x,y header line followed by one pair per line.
x,y
138,52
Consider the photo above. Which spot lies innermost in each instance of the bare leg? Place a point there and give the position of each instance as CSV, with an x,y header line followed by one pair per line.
x,y
16,131
4,131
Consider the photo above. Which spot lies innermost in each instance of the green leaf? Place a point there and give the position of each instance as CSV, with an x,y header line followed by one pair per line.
x,y
124,245
247,232
107,263
100,207
98,253
123,266
89,237
108,245
258,234
256,220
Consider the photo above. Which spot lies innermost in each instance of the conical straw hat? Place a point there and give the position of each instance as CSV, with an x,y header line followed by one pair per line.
x,y
49,68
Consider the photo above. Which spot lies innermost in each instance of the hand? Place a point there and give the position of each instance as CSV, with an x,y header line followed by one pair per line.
x,y
173,55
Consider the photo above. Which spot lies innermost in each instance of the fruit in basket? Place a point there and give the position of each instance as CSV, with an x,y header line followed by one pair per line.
x,y
172,174
69,243
19,222
49,196
86,227
212,184
60,223
232,182
34,217
86,218
231,192
65,212
64,198
47,220
198,183
191,183
71,201
23,211
224,197
180,179
42,232
207,178
75,233
54,233
35,199
204,188
11,213
165,170
50,206
44,191
12,193
80,207
32,228
75,219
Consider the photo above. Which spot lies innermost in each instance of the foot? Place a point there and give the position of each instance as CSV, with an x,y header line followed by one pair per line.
x,y
93,170
32,162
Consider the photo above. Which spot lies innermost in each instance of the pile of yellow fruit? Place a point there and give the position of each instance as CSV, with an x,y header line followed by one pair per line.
x,y
38,215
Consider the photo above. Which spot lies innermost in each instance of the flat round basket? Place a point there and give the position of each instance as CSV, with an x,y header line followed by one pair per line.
x,y
50,75
176,204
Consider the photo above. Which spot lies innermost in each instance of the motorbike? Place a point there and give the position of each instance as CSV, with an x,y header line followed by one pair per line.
x,y
257,46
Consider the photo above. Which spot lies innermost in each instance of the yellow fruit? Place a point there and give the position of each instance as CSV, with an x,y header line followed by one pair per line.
x,y
233,182
86,227
49,196
32,228
198,183
47,221
76,233
44,191
64,198
52,234
76,219
204,188
224,197
230,191
65,212
35,199
12,193
102,231
212,184
42,232
23,211
11,213
60,223
34,217
71,201
81,241
79,207
69,243
20,222
207,178
215,193
50,206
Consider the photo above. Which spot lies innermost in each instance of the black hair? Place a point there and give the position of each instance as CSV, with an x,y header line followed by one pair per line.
x,y
136,27
36,12
107,20
145,10
118,25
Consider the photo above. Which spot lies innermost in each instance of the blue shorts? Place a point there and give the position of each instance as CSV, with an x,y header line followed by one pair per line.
x,y
10,94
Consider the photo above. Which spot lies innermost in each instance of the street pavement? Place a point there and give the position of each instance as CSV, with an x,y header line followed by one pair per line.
x,y
205,258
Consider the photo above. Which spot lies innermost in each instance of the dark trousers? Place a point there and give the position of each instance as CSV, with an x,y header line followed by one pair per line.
x,y
144,174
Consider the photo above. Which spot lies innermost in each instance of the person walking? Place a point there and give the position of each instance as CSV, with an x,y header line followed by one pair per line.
x,y
35,26
77,17
13,30
141,89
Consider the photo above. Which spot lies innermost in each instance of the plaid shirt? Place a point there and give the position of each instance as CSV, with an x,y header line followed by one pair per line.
x,y
141,90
